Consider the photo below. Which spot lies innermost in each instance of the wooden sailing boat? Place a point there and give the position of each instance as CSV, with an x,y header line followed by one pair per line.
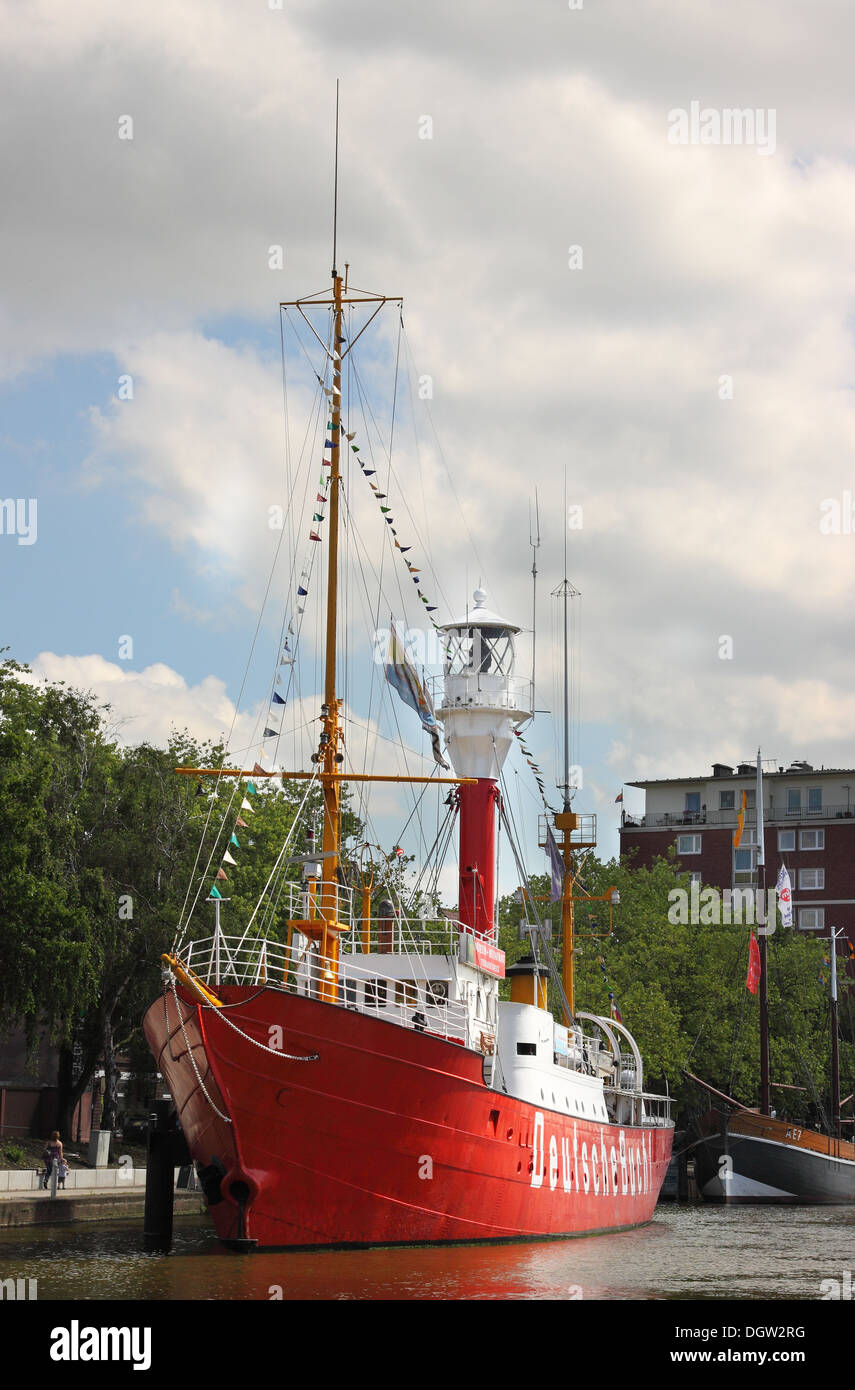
x,y
750,1155
352,1080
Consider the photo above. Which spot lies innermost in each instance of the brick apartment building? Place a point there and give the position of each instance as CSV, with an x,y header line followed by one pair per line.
x,y
809,822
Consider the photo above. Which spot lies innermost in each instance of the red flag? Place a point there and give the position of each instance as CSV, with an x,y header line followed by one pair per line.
x,y
753,977
618,798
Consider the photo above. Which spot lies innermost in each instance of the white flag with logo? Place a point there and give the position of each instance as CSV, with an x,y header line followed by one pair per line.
x,y
785,898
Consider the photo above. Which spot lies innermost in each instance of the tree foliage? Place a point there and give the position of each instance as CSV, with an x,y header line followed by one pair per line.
x,y
681,988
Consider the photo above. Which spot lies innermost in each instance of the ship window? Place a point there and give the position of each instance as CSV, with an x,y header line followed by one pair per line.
x,y
497,651
437,992
375,994
406,994
350,992
526,1049
459,652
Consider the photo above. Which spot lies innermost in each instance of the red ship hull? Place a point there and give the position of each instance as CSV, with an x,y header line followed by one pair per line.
x,y
390,1136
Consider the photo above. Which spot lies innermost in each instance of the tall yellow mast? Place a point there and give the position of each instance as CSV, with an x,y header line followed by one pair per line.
x,y
331,733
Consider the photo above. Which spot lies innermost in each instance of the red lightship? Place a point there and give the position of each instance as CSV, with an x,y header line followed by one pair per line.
x,y
345,1072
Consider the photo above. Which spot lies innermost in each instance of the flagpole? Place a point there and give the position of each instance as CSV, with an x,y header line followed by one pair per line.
x,y
765,1089
835,1050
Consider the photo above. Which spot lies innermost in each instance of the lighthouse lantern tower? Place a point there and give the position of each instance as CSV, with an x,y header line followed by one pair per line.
x,y
482,701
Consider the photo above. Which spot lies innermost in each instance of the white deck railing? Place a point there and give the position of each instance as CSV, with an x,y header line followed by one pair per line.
x,y
354,984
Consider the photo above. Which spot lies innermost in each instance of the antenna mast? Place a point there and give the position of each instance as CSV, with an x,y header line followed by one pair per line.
x,y
335,190
535,546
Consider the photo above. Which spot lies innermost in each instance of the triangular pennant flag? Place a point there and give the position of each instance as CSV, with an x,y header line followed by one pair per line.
x,y
233,840
404,548
277,699
321,497
313,537
245,806
270,733
385,509
221,873
369,471
228,859
328,444
355,448
348,437
215,892
242,823
318,516
250,786
303,593
432,608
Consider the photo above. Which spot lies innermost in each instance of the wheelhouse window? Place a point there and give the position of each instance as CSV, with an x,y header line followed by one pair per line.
x,y
406,994
375,994
436,992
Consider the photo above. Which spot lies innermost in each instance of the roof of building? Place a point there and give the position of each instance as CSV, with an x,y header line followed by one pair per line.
x,y
741,776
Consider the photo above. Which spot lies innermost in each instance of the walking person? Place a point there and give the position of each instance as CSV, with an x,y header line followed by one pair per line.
x,y
52,1155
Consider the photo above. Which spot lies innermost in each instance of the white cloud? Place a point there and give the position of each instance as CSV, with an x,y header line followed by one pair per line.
x,y
550,129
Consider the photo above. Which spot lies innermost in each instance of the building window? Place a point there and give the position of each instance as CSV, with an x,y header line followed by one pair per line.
x,y
696,877
750,800
811,918
811,839
693,802
814,802
688,844
786,840
811,878
794,801
726,801
743,859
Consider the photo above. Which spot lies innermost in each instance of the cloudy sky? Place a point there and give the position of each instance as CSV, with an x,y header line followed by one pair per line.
x,y
683,376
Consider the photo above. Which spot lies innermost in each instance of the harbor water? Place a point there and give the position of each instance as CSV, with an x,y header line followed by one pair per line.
x,y
685,1253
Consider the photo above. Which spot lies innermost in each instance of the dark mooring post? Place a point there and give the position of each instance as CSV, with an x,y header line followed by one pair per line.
x,y
166,1150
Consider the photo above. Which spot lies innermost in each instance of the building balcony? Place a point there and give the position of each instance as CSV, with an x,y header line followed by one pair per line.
x,y
716,820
